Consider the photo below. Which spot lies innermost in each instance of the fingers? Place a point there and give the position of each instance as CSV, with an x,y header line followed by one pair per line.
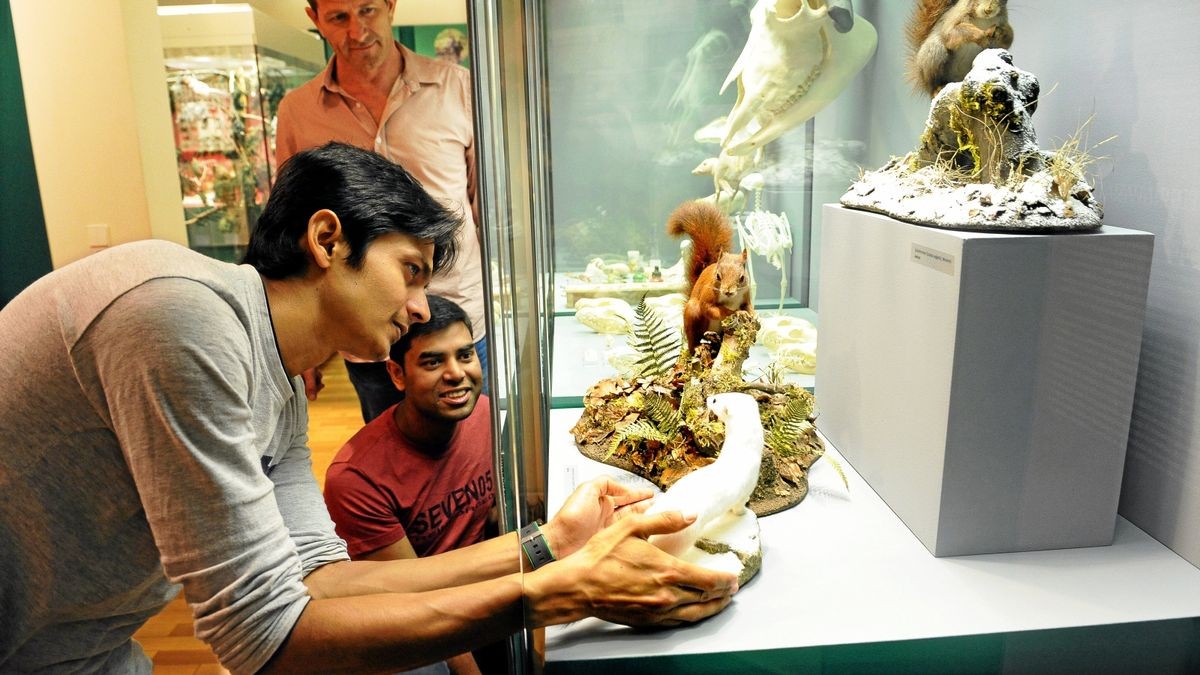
x,y
313,383
688,581
665,522
630,581
620,494
634,509
687,605
696,611
710,584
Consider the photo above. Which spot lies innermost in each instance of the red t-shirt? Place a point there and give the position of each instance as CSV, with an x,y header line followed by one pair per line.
x,y
380,490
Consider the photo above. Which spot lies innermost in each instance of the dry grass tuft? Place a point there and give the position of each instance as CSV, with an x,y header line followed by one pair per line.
x,y
1069,163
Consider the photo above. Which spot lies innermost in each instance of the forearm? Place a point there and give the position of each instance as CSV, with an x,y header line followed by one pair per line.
x,y
617,576
392,631
486,560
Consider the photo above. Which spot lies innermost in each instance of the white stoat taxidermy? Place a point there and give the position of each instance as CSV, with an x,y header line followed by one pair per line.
x,y
723,486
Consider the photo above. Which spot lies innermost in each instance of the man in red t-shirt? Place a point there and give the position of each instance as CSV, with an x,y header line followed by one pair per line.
x,y
417,480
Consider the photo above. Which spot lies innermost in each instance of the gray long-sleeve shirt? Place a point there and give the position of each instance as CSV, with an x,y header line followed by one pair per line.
x,y
150,437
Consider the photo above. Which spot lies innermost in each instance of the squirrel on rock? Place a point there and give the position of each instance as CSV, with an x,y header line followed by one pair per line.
x,y
717,281
945,36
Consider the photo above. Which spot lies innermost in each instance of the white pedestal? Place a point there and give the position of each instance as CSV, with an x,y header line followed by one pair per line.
x,y
982,383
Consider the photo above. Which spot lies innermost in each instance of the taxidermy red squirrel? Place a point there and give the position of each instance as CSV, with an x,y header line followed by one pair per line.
x,y
718,285
945,36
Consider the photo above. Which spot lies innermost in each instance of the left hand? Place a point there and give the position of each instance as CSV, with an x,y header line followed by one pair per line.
x,y
313,382
592,507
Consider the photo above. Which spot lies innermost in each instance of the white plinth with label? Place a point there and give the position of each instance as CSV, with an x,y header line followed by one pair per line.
x,y
982,383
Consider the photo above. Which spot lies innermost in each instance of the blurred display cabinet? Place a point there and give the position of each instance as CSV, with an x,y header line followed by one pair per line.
x,y
227,68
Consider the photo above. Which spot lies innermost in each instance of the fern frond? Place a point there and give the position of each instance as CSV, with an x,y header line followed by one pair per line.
x,y
663,414
637,431
790,425
657,343
837,466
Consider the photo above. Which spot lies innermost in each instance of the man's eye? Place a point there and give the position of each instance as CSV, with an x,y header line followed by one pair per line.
x,y
413,270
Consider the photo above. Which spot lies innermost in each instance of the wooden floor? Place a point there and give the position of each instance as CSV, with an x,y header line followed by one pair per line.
x,y
167,638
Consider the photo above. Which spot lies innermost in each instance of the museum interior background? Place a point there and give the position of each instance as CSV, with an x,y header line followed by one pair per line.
x,y
89,161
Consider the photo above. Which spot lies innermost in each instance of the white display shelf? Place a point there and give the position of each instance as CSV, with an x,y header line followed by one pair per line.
x,y
579,360
841,569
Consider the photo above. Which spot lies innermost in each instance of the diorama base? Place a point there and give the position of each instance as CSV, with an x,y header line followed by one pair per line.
x,y
730,544
982,383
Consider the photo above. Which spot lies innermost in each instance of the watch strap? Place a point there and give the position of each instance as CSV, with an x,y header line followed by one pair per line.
x,y
533,542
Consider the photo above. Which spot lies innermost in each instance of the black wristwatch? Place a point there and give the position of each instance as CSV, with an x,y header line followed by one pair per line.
x,y
533,542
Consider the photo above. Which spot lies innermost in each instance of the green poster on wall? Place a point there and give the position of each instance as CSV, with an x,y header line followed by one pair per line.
x,y
446,41
25,255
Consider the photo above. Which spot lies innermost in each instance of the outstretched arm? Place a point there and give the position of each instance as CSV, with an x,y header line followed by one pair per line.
x,y
355,623
593,506
463,664
616,576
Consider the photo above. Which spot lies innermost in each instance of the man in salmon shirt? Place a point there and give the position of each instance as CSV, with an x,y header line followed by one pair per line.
x,y
378,95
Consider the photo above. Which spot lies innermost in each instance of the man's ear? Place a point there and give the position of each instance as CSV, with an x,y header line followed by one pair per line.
x,y
323,234
396,373
312,16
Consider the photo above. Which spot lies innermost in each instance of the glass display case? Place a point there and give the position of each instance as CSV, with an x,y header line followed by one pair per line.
x,y
631,119
596,121
227,68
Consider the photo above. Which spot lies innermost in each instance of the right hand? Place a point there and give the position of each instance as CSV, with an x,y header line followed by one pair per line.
x,y
618,576
592,507
313,383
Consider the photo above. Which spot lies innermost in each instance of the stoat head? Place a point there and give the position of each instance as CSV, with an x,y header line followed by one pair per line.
x,y
725,404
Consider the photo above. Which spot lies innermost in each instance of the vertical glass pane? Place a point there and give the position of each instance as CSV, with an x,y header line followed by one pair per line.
x,y
512,172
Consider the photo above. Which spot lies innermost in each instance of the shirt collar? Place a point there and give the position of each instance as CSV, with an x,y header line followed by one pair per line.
x,y
415,70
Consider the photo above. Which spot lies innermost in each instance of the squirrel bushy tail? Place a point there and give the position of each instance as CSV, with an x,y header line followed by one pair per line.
x,y
709,229
925,14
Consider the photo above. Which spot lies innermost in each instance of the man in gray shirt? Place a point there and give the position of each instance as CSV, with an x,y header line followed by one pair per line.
x,y
153,437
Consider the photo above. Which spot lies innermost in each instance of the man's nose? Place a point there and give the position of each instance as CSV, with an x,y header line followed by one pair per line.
x,y
418,306
454,371
358,30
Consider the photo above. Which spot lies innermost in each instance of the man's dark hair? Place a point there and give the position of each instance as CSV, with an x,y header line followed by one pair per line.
x,y
443,313
371,197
